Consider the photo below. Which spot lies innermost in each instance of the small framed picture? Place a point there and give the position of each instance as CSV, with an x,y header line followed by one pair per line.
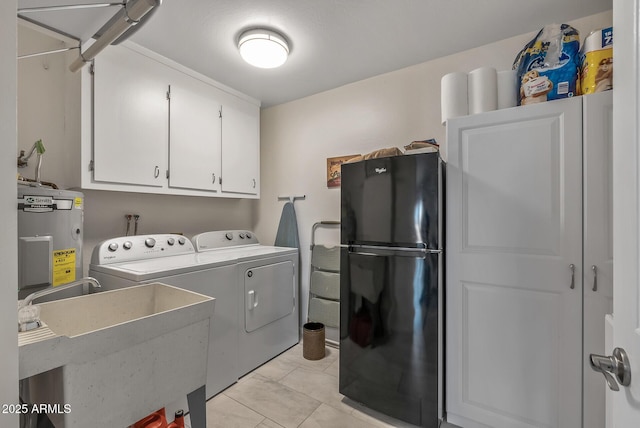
x,y
333,169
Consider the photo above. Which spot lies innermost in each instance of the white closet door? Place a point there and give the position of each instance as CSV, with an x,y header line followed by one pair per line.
x,y
598,245
513,305
131,114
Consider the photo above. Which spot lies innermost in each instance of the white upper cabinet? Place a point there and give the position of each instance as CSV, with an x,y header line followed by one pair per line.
x,y
195,136
240,149
153,126
130,119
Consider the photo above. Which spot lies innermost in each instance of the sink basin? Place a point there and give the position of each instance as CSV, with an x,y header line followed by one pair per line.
x,y
114,357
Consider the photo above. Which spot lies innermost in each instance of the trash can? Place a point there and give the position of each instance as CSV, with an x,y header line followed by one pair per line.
x,y
313,341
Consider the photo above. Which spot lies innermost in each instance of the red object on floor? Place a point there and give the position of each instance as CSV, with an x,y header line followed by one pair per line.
x,y
156,419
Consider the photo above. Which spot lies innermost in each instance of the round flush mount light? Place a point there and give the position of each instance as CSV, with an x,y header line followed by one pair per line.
x,y
263,48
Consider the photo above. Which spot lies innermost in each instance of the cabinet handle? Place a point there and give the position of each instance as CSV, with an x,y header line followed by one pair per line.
x,y
254,183
595,278
213,178
156,172
573,270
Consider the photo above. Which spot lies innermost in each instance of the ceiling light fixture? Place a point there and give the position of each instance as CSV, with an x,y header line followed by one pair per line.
x,y
263,48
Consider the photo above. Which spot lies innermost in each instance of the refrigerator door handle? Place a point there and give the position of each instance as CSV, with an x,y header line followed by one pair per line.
x,y
388,248
362,253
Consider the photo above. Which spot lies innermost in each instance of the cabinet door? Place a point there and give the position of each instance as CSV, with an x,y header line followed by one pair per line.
x,y
195,133
240,147
514,304
130,111
598,245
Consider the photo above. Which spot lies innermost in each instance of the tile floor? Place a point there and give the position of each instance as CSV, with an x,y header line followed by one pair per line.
x,y
290,391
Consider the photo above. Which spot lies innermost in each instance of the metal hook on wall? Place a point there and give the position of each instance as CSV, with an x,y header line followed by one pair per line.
x,y
292,198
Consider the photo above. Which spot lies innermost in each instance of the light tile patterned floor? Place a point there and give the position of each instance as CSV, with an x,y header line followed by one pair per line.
x,y
290,391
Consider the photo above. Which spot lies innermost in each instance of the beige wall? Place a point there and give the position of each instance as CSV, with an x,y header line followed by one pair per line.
x,y
389,110
41,104
8,214
189,215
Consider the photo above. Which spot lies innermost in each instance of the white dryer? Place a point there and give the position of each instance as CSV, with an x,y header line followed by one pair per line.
x,y
256,315
172,259
268,305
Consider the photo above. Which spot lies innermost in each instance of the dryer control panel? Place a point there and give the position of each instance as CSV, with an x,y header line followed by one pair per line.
x,y
140,247
224,238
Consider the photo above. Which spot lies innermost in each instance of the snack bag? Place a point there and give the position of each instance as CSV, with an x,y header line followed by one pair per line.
x,y
548,66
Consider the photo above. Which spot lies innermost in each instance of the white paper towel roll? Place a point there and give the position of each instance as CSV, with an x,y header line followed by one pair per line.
x,y
507,89
483,90
453,95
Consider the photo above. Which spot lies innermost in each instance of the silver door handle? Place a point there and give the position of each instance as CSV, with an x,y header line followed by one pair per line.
x,y
156,172
253,300
254,183
595,277
573,271
213,178
617,364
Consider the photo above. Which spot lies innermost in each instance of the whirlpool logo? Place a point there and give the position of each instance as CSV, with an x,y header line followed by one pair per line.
x,y
381,170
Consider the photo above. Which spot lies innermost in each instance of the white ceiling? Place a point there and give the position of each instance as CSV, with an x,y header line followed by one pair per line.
x,y
333,42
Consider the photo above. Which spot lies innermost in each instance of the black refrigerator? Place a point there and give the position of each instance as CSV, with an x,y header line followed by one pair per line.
x,y
391,288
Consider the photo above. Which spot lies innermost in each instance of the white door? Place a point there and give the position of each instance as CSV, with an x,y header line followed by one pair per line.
x,y
626,212
598,245
195,133
514,271
240,147
268,294
130,112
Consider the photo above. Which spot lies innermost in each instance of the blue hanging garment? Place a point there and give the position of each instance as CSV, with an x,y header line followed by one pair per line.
x,y
287,235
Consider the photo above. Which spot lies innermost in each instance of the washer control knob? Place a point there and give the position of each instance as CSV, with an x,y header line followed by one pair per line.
x,y
241,235
229,236
248,235
171,241
150,242
127,245
181,241
113,246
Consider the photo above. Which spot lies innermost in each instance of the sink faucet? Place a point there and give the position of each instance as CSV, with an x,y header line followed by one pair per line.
x,y
31,297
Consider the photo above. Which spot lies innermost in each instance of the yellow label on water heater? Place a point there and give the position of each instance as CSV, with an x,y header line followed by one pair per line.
x,y
64,266
78,203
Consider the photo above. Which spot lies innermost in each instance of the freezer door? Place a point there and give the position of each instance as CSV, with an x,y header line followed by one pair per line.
x,y
392,200
390,332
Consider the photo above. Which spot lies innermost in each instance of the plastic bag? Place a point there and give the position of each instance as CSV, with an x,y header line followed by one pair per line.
x,y
548,66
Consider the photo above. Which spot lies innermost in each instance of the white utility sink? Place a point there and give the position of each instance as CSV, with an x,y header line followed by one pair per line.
x,y
114,357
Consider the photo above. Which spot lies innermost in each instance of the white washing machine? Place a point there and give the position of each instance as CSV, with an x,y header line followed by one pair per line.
x,y
255,286
172,259
268,304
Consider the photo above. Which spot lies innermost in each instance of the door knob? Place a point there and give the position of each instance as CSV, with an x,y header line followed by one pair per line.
x,y
616,365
